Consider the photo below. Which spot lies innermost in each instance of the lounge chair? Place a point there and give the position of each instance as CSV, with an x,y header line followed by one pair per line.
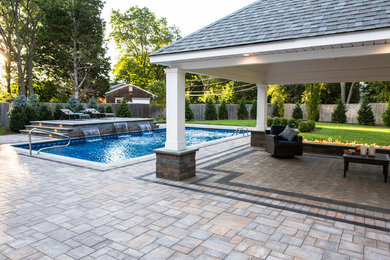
x,y
69,113
280,147
96,113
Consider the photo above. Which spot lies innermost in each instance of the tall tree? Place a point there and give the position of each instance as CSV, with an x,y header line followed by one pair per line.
x,y
72,46
312,100
19,23
137,33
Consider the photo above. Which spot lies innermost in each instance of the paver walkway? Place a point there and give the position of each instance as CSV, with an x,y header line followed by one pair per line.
x,y
243,204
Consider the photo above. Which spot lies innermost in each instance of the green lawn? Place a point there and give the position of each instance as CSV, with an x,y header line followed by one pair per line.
x,y
2,131
328,132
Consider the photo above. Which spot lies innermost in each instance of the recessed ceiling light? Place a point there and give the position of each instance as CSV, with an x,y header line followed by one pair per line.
x,y
246,55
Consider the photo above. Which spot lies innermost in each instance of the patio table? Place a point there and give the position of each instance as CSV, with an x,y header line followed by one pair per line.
x,y
378,159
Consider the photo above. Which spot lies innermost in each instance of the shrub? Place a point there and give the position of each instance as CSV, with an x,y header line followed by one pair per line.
x,y
253,111
386,116
283,121
297,112
17,115
189,114
34,103
223,111
21,101
312,125
124,110
72,104
242,111
277,121
109,109
57,112
31,114
93,103
365,114
211,112
101,108
292,123
270,121
275,110
306,126
79,107
312,98
339,115
17,118
45,112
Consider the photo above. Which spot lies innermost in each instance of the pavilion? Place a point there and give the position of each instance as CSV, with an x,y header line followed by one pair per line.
x,y
273,42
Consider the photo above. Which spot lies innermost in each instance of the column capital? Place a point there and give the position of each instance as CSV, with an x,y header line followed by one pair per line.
x,y
174,70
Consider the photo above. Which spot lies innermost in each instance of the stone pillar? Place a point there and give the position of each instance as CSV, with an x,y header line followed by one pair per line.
x,y
175,161
258,135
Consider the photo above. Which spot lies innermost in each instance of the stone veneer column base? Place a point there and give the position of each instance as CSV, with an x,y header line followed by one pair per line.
x,y
175,165
258,138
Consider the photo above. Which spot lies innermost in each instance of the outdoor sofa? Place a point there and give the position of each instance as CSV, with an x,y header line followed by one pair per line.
x,y
280,147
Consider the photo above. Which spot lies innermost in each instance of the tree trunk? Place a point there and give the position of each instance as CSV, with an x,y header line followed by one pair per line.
x,y
350,92
7,64
342,84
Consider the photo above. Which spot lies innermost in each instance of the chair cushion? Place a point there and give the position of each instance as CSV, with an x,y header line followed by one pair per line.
x,y
285,143
288,133
277,129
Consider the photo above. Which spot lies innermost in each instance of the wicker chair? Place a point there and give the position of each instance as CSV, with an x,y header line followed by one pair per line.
x,y
279,147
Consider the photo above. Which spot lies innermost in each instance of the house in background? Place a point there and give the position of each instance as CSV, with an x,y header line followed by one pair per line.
x,y
132,93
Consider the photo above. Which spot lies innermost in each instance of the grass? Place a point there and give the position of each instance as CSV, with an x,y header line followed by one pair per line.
x,y
328,132
2,131
249,123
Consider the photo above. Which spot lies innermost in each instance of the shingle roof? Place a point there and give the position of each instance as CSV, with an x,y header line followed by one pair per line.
x,y
275,20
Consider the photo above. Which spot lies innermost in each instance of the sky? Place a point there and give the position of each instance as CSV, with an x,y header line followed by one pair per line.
x,y
188,15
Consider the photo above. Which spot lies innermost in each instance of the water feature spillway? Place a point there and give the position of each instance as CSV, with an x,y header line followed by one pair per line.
x,y
91,132
121,128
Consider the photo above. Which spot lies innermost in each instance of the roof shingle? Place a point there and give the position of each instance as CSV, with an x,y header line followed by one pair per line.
x,y
275,20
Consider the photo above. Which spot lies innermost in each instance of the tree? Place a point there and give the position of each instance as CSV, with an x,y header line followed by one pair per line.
x,y
312,99
137,33
72,104
365,114
93,103
378,91
276,110
278,95
189,114
339,115
123,109
253,111
223,111
386,115
297,112
242,111
71,47
210,111
19,24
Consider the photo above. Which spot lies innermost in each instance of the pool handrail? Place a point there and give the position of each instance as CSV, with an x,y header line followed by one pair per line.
x,y
46,132
243,129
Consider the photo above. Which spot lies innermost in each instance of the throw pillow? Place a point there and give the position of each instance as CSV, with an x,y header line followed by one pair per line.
x,y
288,133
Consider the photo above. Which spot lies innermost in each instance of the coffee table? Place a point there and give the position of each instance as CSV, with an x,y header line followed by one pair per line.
x,y
378,159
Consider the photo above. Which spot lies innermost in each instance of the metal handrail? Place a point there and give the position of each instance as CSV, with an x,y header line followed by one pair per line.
x,y
243,129
46,132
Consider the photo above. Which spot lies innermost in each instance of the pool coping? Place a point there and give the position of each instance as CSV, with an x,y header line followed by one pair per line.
x,y
128,162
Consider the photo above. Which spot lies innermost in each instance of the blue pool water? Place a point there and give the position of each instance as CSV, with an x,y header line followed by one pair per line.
x,y
116,148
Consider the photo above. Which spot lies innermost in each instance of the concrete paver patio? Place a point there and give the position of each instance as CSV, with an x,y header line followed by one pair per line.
x,y
243,204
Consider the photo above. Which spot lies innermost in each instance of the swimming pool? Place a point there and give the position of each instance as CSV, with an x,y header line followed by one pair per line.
x,y
116,148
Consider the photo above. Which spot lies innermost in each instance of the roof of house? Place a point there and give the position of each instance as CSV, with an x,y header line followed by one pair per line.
x,y
122,85
276,20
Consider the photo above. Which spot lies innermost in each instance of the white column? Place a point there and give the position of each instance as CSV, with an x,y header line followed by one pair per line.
x,y
175,109
261,123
